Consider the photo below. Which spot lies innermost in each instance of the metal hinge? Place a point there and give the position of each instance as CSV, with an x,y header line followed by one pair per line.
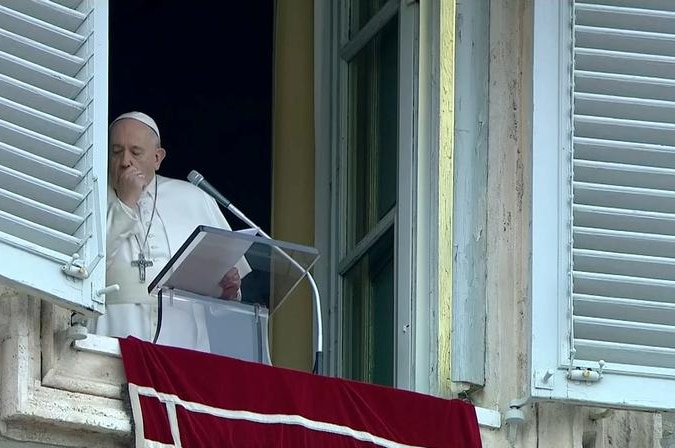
x,y
75,268
585,374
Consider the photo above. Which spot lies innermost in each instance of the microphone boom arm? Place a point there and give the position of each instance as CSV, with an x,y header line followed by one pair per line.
x,y
318,358
198,180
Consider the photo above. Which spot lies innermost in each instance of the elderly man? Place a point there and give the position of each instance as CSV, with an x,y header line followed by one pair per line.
x,y
149,218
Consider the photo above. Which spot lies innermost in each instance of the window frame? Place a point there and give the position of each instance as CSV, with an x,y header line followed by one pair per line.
x,y
332,242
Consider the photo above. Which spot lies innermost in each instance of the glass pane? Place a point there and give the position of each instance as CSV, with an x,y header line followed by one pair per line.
x,y
360,12
373,132
369,315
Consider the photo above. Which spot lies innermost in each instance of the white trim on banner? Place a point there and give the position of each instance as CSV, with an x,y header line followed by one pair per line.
x,y
135,391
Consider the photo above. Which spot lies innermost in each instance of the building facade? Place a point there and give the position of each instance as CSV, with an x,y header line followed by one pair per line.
x,y
487,184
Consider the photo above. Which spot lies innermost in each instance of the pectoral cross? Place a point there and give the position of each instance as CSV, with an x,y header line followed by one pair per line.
x,y
142,263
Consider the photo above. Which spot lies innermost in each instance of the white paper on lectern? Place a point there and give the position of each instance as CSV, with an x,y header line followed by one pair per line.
x,y
251,231
212,262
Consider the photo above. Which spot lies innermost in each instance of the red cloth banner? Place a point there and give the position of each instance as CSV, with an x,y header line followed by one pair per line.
x,y
185,398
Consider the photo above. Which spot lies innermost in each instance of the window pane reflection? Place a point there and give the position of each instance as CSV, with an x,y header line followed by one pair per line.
x,y
369,315
373,132
361,11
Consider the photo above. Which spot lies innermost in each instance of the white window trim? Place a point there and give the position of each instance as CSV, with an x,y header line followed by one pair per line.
x,y
472,57
328,125
411,325
425,240
650,389
549,145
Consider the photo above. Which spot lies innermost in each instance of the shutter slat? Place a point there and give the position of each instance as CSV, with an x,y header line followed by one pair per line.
x,y
36,98
39,190
624,174
624,309
624,241
64,17
628,108
629,354
625,40
624,152
40,31
39,167
40,54
41,77
73,4
628,85
40,145
624,219
607,16
629,265
41,235
624,287
658,5
35,120
626,63
39,213
617,196
627,332
604,128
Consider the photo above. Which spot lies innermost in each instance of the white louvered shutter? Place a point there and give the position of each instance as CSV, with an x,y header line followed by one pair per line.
x,y
624,183
53,134
614,264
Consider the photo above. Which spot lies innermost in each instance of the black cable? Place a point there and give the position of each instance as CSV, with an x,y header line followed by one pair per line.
x,y
159,316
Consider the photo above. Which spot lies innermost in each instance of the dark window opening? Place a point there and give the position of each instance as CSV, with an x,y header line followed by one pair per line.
x,y
203,71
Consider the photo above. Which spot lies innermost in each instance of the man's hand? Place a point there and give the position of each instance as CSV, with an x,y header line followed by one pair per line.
x,y
230,283
129,186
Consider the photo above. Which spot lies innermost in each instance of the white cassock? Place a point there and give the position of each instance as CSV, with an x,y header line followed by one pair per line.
x,y
180,208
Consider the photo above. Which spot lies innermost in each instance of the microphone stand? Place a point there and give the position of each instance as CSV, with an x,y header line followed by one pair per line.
x,y
318,356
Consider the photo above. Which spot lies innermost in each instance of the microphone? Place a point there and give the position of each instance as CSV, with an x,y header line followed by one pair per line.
x,y
198,180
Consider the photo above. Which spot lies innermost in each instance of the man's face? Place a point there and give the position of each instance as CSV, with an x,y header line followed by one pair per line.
x,y
133,144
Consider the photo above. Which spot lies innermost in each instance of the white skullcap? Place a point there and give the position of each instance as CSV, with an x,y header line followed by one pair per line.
x,y
138,116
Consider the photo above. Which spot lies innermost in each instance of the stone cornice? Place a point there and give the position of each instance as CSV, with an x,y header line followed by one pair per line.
x,y
51,393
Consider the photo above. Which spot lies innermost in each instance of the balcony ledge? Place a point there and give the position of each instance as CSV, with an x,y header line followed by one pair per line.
x,y
487,418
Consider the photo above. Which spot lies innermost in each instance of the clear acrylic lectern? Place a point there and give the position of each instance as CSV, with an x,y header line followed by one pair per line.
x,y
188,290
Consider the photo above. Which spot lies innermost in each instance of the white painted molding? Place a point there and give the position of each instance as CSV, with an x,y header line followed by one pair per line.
x,y
103,345
488,418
